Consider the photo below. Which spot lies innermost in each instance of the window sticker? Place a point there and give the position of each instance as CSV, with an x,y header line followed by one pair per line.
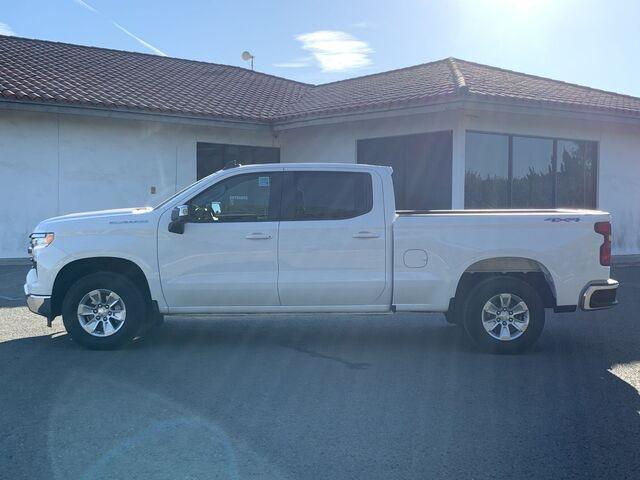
x,y
264,181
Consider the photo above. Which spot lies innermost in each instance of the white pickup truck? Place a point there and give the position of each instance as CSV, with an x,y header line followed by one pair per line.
x,y
316,238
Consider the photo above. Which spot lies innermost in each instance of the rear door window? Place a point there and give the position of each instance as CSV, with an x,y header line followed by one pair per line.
x,y
320,195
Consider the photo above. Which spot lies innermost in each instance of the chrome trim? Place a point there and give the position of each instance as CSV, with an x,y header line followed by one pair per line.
x,y
40,304
590,289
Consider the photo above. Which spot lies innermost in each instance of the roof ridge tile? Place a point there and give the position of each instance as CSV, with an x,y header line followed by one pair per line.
x,y
461,84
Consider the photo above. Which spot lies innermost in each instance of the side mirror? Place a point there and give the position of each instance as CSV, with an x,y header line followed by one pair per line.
x,y
179,215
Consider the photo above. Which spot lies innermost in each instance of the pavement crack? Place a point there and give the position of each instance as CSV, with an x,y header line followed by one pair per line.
x,y
314,354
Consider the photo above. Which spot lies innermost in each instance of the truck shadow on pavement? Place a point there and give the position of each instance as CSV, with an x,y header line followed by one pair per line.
x,y
335,396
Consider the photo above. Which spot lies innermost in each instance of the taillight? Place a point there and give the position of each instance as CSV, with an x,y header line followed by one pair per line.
x,y
604,229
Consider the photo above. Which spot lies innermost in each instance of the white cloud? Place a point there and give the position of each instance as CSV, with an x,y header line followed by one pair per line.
x,y
291,64
295,63
142,42
335,50
6,29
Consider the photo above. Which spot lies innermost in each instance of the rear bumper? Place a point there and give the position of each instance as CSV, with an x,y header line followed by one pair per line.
x,y
599,295
40,304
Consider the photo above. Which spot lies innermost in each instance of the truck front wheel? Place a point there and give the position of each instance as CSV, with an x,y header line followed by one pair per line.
x,y
503,315
103,310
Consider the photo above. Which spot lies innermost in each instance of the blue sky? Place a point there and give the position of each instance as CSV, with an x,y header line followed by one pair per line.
x,y
594,43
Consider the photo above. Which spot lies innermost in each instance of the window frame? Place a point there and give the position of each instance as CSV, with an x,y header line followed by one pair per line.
x,y
555,140
286,186
203,145
276,197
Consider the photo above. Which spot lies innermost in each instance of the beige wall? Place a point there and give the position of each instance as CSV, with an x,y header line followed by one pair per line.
x,y
53,164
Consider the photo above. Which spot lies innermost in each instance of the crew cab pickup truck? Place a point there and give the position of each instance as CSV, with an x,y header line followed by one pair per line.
x,y
316,238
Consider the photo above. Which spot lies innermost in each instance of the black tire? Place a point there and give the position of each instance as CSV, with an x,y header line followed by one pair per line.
x,y
490,288
131,295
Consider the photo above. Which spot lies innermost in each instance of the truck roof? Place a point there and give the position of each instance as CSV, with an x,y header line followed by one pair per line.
x,y
318,166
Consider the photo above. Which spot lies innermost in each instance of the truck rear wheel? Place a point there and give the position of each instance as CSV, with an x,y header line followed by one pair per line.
x,y
103,310
504,315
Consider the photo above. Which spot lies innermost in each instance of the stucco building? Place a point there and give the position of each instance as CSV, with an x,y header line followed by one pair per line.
x,y
84,128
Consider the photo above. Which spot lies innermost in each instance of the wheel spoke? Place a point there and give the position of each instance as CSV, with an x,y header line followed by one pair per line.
x,y
85,310
490,325
505,300
112,299
520,324
117,315
505,333
107,328
520,308
95,297
491,308
91,325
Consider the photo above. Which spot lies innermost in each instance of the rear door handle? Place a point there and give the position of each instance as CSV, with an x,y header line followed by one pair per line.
x,y
258,236
365,234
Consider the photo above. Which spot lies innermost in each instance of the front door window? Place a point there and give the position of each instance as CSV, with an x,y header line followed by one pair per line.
x,y
243,198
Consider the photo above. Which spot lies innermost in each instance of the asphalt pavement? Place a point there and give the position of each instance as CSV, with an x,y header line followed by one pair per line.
x,y
321,397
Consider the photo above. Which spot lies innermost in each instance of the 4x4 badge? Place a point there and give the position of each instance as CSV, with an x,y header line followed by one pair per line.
x,y
560,219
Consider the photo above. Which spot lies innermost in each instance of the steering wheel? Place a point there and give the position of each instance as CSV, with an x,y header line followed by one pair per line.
x,y
203,213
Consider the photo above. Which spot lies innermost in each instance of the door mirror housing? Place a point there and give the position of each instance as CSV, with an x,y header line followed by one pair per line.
x,y
179,216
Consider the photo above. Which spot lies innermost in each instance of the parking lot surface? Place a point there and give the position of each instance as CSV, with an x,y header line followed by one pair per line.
x,y
321,397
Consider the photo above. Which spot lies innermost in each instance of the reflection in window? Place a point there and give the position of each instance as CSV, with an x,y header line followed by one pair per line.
x,y
576,175
532,180
513,171
326,195
241,198
212,157
486,178
421,167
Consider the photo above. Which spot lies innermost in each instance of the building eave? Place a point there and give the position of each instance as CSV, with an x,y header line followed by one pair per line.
x,y
369,114
517,106
465,102
127,114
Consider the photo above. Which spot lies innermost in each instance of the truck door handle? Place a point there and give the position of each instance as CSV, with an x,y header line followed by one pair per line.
x,y
365,234
258,236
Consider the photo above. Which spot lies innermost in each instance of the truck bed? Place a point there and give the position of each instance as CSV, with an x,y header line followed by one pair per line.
x,y
562,243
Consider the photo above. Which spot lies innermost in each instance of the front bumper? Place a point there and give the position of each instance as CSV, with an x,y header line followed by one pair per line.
x,y
40,304
599,295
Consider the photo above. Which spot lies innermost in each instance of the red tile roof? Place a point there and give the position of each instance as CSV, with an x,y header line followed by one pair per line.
x,y
42,71
60,73
492,82
413,85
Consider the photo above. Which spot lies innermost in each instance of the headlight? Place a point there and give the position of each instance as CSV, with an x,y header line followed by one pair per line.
x,y
37,241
